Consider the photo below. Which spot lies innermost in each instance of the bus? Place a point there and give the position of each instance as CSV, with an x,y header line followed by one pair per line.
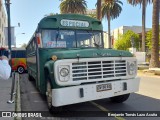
x,y
18,59
67,59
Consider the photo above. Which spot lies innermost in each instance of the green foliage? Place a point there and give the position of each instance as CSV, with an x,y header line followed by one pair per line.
x,y
92,15
138,2
149,39
73,6
124,41
111,8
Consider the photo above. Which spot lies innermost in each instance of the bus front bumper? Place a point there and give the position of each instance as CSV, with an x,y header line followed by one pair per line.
x,y
83,93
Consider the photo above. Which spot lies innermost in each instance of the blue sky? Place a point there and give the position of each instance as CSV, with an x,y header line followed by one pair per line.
x,y
29,12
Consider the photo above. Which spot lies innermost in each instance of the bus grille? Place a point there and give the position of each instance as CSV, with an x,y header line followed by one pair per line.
x,y
98,70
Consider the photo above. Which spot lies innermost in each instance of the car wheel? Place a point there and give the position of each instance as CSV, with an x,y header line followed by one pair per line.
x,y
20,69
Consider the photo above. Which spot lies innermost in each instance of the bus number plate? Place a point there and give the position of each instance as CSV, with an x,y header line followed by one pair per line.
x,y
104,87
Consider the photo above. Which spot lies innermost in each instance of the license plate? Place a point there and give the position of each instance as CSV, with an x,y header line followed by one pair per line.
x,y
104,87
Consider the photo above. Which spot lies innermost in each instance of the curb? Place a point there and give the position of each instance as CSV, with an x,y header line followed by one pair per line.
x,y
17,98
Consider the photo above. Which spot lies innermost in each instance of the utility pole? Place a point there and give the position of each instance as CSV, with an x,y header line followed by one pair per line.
x,y
7,3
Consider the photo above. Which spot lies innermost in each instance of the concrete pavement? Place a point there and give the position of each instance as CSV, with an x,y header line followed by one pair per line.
x,y
5,90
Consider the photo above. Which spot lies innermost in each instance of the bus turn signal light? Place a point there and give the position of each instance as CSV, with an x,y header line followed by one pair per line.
x,y
54,57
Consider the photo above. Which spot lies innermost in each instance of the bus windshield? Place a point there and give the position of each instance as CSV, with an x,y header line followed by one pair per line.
x,y
71,39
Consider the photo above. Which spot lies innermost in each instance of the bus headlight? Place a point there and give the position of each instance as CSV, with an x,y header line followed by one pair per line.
x,y
64,73
132,67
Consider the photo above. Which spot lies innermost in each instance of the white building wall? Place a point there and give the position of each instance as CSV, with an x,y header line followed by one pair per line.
x,y
123,29
120,31
105,39
3,23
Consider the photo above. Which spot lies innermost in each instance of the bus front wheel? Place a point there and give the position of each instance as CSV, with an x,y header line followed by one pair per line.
x,y
49,99
120,99
20,69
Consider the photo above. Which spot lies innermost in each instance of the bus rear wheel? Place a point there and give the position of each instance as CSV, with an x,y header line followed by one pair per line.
x,y
120,98
49,99
20,69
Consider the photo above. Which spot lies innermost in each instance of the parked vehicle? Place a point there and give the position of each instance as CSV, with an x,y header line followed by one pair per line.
x,y
18,59
67,59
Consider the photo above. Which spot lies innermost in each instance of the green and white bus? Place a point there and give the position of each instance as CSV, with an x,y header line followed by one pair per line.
x,y
67,59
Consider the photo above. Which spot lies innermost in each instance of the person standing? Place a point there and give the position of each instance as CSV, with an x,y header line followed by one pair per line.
x,y
5,69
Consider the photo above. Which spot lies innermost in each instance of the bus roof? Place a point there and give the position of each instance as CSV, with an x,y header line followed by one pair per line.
x,y
55,21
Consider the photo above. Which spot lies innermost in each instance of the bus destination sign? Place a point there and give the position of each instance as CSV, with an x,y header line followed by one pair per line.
x,y
74,23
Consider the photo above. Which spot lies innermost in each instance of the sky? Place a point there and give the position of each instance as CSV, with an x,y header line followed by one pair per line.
x,y
29,12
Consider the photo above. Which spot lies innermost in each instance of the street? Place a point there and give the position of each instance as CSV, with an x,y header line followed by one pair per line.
x,y
147,99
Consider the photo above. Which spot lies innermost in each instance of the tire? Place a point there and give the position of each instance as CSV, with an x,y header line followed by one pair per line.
x,y
49,99
119,99
30,78
20,69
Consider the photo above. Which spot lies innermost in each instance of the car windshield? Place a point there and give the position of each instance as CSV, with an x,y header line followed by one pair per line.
x,y
71,39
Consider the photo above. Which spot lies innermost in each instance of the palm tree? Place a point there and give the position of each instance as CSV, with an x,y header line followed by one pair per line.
x,y
111,9
154,62
73,6
99,3
144,4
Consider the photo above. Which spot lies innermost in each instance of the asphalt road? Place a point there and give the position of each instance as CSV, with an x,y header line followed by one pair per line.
x,y
147,99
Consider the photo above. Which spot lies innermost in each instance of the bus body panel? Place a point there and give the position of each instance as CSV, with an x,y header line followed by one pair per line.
x,y
16,62
72,95
32,60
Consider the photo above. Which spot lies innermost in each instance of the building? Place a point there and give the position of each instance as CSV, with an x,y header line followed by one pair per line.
x,y
120,31
123,29
3,24
90,11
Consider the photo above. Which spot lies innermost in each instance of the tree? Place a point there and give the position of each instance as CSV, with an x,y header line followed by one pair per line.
x,y
99,3
154,62
73,6
124,41
144,4
149,40
111,9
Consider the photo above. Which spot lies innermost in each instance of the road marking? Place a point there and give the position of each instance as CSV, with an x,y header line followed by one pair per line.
x,y
105,110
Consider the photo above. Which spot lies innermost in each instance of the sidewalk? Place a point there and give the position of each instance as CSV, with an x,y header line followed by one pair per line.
x,y
5,90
